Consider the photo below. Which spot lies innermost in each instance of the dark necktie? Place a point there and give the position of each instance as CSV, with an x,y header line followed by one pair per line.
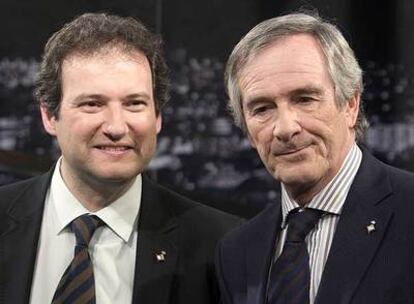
x,y
77,284
289,278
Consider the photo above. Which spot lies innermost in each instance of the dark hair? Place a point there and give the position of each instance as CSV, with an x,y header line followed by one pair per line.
x,y
87,35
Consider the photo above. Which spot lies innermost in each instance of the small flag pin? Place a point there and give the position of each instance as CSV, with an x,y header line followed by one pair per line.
x,y
160,256
371,227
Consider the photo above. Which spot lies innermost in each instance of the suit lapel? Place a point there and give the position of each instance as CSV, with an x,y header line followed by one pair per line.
x,y
353,246
157,252
19,238
260,243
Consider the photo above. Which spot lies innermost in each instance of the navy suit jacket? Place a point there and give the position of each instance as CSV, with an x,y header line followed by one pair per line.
x,y
186,230
362,267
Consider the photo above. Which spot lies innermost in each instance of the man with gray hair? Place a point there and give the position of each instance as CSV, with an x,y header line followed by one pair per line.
x,y
341,231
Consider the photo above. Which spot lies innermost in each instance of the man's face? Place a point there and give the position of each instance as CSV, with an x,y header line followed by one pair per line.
x,y
107,123
288,101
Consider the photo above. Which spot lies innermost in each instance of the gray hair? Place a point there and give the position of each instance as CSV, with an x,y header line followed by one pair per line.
x,y
342,66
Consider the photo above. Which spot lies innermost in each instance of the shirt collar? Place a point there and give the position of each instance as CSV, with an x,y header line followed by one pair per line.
x,y
332,197
120,216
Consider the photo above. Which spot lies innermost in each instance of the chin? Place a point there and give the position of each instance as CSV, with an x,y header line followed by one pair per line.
x,y
298,181
298,175
117,176
116,180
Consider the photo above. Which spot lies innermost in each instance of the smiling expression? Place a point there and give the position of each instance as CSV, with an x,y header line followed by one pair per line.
x,y
107,123
292,119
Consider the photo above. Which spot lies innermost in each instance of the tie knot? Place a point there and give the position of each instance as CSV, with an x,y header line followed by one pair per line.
x,y
301,222
83,227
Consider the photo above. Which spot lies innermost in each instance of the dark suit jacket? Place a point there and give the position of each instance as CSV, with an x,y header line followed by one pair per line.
x,y
186,230
362,267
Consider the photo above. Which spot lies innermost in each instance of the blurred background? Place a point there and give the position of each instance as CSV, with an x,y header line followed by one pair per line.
x,y
200,152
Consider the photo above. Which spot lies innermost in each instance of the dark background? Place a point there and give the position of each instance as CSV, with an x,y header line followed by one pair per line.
x,y
200,152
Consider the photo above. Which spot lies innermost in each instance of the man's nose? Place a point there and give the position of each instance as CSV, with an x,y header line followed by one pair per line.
x,y
286,123
115,125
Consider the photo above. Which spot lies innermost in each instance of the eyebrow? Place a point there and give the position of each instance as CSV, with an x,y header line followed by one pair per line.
x,y
103,97
138,95
251,103
88,96
307,90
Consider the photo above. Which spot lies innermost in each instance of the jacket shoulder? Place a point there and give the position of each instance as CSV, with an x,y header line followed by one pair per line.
x,y
236,238
11,192
200,218
401,179
402,185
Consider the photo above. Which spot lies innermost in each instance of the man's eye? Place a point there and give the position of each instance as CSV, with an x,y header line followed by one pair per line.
x,y
90,104
305,99
260,110
135,104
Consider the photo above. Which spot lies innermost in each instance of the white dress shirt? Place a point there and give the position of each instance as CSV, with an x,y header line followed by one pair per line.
x,y
331,200
112,247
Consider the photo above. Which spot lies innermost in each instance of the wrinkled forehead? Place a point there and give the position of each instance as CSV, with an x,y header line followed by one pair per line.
x,y
256,50
299,54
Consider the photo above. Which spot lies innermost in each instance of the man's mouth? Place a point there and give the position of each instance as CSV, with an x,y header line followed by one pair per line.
x,y
114,150
289,151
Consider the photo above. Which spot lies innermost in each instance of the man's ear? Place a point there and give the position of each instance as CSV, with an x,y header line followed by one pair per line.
x,y
251,141
49,122
159,122
352,109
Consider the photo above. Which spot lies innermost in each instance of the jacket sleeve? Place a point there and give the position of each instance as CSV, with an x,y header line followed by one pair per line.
x,y
224,294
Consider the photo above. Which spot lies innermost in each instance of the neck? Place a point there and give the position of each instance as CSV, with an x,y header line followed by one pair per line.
x,y
301,194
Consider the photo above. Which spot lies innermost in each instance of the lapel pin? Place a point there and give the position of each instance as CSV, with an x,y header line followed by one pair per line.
x,y
160,256
371,227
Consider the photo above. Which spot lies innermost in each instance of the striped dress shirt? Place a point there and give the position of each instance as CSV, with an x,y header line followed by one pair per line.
x,y
330,200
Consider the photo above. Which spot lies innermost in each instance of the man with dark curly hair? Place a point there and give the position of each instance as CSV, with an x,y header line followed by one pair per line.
x,y
94,229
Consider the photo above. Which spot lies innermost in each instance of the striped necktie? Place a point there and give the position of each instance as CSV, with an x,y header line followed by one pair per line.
x,y
289,278
77,284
